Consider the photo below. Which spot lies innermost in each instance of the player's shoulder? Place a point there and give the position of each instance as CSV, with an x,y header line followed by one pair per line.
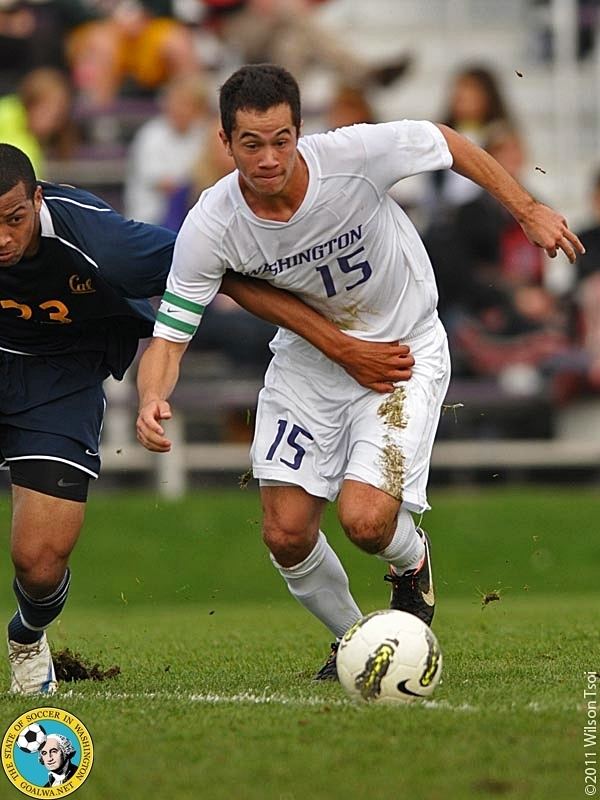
x,y
76,216
348,138
216,205
347,147
341,142
70,198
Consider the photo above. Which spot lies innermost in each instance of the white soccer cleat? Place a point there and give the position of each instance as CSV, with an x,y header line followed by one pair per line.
x,y
32,670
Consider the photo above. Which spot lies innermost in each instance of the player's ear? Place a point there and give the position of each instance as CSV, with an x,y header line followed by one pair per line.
x,y
37,199
225,141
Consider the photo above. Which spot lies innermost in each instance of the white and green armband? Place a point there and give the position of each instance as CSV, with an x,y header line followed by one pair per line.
x,y
177,317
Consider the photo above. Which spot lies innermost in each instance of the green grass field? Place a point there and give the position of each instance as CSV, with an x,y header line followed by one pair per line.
x,y
215,698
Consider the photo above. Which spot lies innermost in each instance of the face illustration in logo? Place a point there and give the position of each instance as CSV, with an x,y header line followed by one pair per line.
x,y
56,754
51,755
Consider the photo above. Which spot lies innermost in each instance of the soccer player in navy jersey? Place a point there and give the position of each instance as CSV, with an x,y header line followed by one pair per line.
x,y
74,281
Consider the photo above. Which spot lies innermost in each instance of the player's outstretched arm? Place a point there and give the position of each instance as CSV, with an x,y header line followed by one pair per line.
x,y
542,225
157,377
375,365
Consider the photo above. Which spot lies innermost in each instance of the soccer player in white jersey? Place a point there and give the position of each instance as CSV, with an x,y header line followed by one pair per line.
x,y
312,215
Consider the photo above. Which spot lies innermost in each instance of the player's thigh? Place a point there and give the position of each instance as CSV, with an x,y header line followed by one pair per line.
x,y
300,435
44,528
52,452
391,437
290,509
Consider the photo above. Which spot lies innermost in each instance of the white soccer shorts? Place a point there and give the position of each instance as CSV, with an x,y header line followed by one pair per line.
x,y
316,426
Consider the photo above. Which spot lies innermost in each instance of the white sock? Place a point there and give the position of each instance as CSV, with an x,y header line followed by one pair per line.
x,y
406,550
320,584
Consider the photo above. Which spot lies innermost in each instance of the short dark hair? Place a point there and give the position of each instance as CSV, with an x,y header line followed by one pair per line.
x,y
258,87
15,167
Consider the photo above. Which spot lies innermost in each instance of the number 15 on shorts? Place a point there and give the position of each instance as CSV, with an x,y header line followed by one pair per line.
x,y
292,447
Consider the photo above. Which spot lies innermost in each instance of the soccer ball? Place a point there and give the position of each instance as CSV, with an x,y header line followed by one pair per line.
x,y
390,657
32,738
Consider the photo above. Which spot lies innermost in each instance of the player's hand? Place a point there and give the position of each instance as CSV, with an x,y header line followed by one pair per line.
x,y
377,365
148,428
546,228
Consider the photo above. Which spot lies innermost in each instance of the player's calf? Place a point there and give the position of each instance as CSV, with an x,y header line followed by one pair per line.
x,y
30,660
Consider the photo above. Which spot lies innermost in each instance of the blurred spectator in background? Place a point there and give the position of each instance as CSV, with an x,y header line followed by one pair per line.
x,y
588,16
502,319
287,32
31,36
349,106
587,294
475,102
589,263
39,117
164,150
211,162
475,105
135,41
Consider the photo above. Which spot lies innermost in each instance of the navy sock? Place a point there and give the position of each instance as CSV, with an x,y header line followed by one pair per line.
x,y
34,615
17,632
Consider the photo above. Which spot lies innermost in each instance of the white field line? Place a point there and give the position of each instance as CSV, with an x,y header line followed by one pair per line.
x,y
278,699
249,698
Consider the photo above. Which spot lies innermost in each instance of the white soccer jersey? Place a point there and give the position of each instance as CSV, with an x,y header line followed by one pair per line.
x,y
349,251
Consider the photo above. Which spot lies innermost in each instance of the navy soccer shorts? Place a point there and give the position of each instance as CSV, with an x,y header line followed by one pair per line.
x,y
52,409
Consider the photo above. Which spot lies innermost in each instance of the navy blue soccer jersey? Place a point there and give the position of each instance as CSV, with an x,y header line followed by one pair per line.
x,y
86,288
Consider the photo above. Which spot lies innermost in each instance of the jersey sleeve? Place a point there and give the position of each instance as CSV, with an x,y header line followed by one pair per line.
x,y
134,257
193,282
396,150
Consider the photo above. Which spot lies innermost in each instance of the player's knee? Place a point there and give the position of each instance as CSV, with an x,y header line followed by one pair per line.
x,y
39,570
287,544
367,530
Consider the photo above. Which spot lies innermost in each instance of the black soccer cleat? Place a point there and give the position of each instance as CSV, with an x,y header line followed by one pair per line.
x,y
413,591
328,671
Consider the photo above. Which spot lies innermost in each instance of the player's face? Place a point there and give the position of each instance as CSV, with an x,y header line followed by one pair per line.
x,y
19,225
263,147
51,755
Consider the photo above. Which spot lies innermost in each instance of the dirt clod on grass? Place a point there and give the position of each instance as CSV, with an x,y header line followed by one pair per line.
x,y
490,597
71,667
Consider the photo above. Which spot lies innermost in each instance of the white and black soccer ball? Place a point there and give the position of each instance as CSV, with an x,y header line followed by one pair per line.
x,y
32,738
389,656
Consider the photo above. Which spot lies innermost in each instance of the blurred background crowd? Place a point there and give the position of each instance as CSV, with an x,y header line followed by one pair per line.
x,y
119,96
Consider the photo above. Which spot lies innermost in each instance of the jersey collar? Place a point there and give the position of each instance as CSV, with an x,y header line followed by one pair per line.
x,y
46,224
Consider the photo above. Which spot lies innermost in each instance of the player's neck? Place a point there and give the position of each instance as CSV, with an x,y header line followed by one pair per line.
x,y
282,206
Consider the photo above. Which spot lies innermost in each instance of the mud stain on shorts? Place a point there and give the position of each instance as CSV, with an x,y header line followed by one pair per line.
x,y
392,409
391,463
391,460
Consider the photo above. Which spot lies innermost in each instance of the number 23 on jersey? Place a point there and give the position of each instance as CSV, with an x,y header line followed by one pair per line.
x,y
56,310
